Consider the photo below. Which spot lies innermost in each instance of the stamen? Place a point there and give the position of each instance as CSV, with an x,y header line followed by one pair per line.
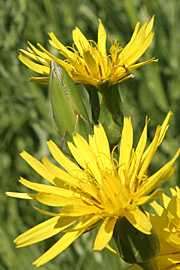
x,y
100,70
87,70
126,69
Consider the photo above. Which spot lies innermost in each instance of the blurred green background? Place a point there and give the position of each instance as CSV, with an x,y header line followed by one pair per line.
x,y
26,117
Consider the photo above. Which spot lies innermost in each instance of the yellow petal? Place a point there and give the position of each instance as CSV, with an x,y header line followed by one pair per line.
x,y
36,67
112,250
122,55
57,200
77,68
138,44
132,67
112,188
170,261
19,195
42,55
30,54
174,208
136,162
174,239
135,45
157,178
90,188
125,148
57,248
100,146
67,164
80,41
47,188
104,234
88,156
78,210
164,128
144,199
37,166
42,80
62,63
139,220
77,155
43,231
93,221
146,159
62,179
158,208
64,242
46,212
91,64
174,192
58,45
102,40
140,49
133,36
165,200
150,25
131,76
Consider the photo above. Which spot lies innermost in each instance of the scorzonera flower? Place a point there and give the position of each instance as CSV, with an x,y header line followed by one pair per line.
x,y
96,190
167,227
87,62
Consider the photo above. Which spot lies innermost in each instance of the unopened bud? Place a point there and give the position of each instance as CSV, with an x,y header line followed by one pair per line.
x,y
69,112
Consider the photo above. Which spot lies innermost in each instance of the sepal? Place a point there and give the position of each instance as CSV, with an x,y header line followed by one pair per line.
x,y
134,246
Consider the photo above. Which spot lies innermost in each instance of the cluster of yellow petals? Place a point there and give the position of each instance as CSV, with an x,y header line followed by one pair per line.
x,y
167,227
87,62
96,190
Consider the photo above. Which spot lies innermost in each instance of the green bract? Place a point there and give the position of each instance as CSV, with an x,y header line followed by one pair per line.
x,y
134,246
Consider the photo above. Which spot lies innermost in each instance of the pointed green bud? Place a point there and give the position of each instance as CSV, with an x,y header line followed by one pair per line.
x,y
107,109
111,114
134,246
69,112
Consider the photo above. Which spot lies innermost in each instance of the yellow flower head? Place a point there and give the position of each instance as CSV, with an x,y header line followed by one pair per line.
x,y
87,62
96,190
167,227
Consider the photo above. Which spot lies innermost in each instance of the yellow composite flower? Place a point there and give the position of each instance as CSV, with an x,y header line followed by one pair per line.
x,y
96,190
87,62
167,227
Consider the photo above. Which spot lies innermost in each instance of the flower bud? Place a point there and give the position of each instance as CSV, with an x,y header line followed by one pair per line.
x,y
69,111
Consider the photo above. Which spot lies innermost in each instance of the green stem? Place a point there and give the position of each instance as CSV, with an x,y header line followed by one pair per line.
x,y
149,265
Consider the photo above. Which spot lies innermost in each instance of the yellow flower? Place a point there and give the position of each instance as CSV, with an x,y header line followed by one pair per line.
x,y
96,190
167,227
87,62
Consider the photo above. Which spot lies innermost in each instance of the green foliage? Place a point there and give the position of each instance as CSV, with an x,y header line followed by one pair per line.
x,y
26,117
